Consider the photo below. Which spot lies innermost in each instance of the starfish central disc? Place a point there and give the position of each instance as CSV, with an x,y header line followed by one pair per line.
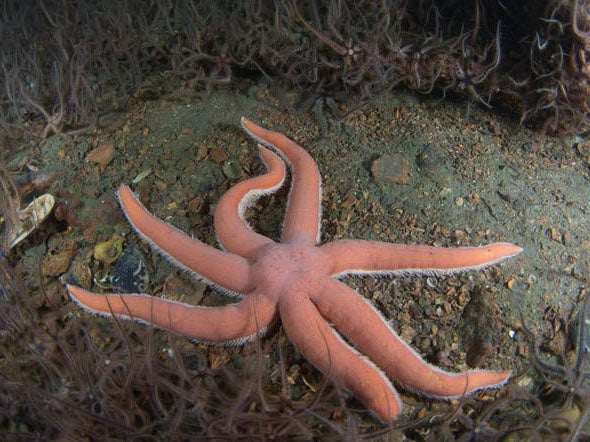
x,y
291,267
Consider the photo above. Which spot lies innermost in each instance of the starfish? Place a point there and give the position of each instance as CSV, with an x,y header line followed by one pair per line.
x,y
296,280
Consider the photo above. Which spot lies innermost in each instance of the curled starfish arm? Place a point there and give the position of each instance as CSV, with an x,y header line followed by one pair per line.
x,y
374,257
230,324
200,259
328,352
233,232
303,214
369,331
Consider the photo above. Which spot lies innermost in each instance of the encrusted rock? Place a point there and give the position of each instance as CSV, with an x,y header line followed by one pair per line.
x,y
58,263
110,250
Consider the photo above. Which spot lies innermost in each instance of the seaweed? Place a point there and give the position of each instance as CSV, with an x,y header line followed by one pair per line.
x,y
67,63
9,207
566,384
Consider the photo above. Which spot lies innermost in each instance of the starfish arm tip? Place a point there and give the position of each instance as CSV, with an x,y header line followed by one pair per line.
x,y
123,188
510,249
88,301
245,122
486,379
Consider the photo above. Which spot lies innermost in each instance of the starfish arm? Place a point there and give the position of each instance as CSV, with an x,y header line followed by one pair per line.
x,y
223,269
303,215
369,331
373,257
233,232
328,352
231,324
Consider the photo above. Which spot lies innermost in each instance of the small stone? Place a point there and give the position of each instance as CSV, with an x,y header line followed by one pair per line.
x,y
555,235
102,155
510,283
218,155
231,170
407,333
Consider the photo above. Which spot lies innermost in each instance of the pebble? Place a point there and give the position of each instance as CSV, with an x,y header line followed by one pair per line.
x,y
102,155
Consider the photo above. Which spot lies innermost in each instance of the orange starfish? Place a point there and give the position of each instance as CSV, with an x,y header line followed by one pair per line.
x,y
296,281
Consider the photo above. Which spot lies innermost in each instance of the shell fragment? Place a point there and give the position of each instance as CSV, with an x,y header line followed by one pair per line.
x,y
30,218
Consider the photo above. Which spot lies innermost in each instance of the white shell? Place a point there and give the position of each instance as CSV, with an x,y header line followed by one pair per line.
x,y
30,218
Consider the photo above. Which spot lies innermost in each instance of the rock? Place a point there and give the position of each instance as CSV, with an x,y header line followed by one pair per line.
x,y
391,168
481,327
